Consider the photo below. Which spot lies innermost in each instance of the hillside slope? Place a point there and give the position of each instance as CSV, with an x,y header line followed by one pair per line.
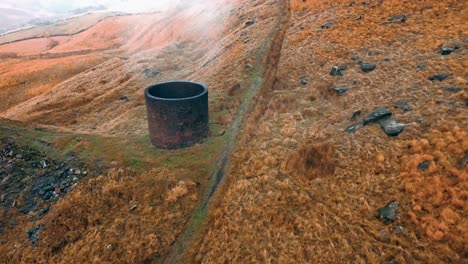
x,y
301,189
352,150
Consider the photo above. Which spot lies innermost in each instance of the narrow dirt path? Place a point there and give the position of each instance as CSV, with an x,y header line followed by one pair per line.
x,y
265,79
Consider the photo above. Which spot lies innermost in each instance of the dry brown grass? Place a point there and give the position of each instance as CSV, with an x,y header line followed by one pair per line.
x,y
97,223
266,213
312,161
439,194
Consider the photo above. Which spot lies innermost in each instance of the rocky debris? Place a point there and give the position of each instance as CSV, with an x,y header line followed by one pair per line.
x,y
247,40
421,67
124,98
341,90
453,89
33,176
448,50
398,230
249,22
368,67
420,120
438,77
403,105
248,67
382,116
343,67
327,25
352,128
150,73
400,18
336,71
304,81
33,234
388,214
42,212
379,114
355,115
355,58
391,127
424,165
135,206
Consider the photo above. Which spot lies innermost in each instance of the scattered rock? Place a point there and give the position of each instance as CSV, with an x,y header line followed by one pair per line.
x,y
335,71
341,90
243,33
355,58
133,207
355,115
388,213
391,127
377,115
438,77
446,51
398,229
453,89
247,40
124,98
403,105
368,67
43,164
327,25
424,165
343,67
248,67
398,18
421,67
352,128
149,73
33,234
420,120
43,212
250,22
304,81
32,177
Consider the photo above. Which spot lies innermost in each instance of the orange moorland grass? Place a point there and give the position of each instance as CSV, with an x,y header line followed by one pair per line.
x,y
125,216
275,207
22,80
439,194
313,161
97,221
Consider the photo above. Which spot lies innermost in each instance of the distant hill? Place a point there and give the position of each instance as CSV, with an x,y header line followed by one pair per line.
x,y
13,17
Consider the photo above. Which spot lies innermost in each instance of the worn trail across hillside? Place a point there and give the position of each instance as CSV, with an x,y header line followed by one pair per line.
x,y
267,68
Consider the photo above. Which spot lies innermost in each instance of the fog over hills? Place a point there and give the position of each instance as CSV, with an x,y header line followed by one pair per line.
x,y
26,13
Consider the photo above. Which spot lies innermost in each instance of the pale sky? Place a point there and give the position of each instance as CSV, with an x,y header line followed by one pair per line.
x,y
63,6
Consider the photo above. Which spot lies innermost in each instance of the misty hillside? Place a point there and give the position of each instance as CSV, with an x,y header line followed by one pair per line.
x,y
337,133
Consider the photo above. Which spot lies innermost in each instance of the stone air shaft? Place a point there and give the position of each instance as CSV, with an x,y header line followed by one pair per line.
x,y
177,113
